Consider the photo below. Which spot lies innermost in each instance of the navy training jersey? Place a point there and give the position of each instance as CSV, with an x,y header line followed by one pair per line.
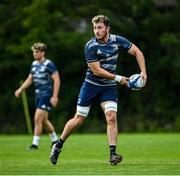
x,y
107,55
41,73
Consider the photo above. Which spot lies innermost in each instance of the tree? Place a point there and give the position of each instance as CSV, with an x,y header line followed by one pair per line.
x,y
65,26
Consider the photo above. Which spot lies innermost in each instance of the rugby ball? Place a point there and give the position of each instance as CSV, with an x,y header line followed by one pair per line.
x,y
135,82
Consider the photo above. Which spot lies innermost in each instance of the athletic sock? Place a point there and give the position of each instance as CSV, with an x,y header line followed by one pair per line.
x,y
36,140
53,136
112,149
60,143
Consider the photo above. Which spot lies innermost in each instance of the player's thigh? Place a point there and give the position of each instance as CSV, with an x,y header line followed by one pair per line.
x,y
40,115
109,98
43,103
109,106
86,98
87,94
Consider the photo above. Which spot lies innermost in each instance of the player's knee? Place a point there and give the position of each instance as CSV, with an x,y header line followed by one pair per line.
x,y
38,120
111,117
110,110
39,117
78,119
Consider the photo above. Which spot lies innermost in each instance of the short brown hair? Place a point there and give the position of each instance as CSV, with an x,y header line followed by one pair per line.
x,y
39,46
101,18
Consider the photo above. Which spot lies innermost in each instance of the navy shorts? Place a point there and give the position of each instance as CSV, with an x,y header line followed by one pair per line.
x,y
90,94
43,103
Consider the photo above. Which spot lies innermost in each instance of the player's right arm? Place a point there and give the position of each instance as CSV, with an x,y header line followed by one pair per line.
x,y
98,71
24,86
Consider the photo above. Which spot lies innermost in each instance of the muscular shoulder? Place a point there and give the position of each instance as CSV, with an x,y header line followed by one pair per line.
x,y
117,38
90,50
121,41
91,44
47,62
35,63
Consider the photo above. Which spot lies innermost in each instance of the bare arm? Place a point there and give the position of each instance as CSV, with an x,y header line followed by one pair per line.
x,y
56,79
98,71
24,86
135,51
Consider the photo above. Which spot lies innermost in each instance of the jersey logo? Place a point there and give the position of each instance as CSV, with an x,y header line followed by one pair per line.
x,y
115,47
34,69
43,106
79,100
99,51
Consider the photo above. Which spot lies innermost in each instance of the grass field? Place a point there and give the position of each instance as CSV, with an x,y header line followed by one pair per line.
x,y
88,154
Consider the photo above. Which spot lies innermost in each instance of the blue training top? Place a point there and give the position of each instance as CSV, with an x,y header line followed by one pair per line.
x,y
41,73
107,55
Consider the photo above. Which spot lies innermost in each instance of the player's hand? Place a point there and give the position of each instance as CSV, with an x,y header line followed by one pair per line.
x,y
124,80
18,92
144,77
54,101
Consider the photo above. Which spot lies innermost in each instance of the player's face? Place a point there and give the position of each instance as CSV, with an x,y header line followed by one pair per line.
x,y
38,55
101,31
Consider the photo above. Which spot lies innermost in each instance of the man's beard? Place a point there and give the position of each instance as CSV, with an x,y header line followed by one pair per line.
x,y
102,37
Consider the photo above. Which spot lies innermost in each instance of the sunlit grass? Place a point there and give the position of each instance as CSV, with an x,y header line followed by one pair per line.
x,y
144,154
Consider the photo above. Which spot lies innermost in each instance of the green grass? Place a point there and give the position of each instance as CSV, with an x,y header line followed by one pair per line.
x,y
144,154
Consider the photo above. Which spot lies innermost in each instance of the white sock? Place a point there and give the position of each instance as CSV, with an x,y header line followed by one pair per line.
x,y
53,136
36,140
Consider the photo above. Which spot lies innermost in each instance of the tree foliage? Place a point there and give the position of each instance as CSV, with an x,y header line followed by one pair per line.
x,y
65,26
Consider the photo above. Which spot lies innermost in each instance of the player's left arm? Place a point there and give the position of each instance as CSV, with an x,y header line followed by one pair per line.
x,y
135,51
56,86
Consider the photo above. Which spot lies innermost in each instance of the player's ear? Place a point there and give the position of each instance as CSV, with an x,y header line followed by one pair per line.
x,y
108,28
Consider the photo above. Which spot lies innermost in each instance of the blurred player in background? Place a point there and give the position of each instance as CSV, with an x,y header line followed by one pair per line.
x,y
100,85
47,82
